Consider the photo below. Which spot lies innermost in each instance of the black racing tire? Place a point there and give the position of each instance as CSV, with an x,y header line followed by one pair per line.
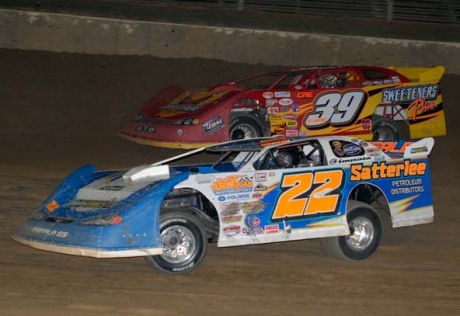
x,y
184,243
365,234
385,130
244,127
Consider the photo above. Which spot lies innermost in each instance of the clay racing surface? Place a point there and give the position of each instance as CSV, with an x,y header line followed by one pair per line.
x,y
60,111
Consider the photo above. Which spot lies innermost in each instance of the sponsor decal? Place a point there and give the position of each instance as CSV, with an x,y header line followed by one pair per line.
x,y
232,230
352,150
253,221
213,125
285,101
50,232
273,110
407,94
295,108
138,117
271,174
230,208
221,198
257,196
275,117
419,107
232,219
382,82
51,206
333,161
366,124
181,107
282,94
91,203
232,184
253,231
302,133
292,133
202,179
112,188
260,187
345,148
407,186
272,229
391,147
285,108
373,151
305,94
260,176
253,207
268,95
344,160
416,150
291,124
363,144
145,129
384,171
289,116
271,102
235,197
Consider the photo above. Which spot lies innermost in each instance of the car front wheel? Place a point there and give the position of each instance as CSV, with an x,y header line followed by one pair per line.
x,y
184,243
365,234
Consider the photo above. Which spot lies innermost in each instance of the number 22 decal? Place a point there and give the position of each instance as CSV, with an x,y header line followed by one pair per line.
x,y
307,194
335,109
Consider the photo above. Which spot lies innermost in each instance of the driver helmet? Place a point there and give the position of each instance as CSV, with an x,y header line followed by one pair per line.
x,y
287,158
328,81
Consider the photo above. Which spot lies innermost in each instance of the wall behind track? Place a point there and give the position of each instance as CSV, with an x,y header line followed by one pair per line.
x,y
91,35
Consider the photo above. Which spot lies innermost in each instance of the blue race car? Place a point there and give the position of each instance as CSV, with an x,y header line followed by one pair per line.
x,y
255,191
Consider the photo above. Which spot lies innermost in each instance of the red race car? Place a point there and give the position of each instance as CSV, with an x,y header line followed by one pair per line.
x,y
369,102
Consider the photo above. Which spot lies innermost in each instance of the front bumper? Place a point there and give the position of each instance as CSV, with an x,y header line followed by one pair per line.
x,y
87,252
164,134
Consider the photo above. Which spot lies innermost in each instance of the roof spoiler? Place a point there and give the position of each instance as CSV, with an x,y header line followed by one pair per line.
x,y
421,73
421,148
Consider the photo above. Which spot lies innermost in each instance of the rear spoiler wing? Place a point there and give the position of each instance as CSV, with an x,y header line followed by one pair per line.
x,y
406,149
416,74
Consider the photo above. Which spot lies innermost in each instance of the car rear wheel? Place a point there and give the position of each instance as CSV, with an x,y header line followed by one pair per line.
x,y
385,130
244,128
184,243
365,234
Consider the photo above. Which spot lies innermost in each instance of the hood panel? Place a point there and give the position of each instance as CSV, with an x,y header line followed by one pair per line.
x,y
190,103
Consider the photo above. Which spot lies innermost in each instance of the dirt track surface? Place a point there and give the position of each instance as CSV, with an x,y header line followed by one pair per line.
x,y
59,111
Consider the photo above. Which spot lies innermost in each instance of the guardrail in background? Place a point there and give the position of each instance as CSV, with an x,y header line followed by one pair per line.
x,y
436,11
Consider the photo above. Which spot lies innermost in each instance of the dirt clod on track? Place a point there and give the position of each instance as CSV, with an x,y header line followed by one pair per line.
x,y
60,111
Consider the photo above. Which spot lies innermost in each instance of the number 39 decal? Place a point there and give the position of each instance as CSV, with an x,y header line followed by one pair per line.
x,y
308,194
335,109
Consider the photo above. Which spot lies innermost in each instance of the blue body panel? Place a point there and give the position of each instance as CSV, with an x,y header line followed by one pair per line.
x,y
139,228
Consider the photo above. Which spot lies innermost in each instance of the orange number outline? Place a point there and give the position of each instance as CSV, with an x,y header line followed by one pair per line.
x,y
309,194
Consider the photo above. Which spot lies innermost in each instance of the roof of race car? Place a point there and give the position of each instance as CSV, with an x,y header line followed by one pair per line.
x,y
256,144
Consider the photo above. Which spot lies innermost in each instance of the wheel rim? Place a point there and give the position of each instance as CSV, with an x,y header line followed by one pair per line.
x,y
383,133
179,244
361,234
243,131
